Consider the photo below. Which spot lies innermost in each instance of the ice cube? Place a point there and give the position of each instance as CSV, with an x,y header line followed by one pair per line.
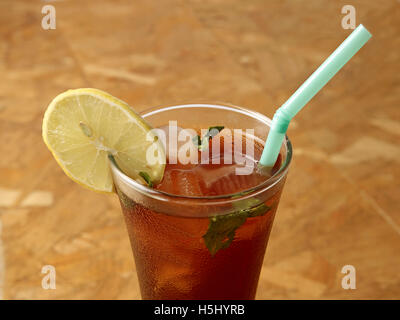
x,y
229,183
182,182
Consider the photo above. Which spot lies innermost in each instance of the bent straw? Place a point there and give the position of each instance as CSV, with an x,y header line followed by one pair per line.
x,y
308,90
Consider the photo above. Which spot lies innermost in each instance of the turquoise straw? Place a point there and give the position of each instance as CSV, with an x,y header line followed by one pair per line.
x,y
308,90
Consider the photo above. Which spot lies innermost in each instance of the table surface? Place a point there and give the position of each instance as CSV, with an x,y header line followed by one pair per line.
x,y
340,205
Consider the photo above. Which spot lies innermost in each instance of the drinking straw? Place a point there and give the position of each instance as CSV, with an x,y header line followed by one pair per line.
x,y
308,90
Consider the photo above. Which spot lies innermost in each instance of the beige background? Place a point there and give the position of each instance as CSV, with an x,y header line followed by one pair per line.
x,y
341,201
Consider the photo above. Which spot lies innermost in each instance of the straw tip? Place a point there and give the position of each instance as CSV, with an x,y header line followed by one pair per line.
x,y
361,27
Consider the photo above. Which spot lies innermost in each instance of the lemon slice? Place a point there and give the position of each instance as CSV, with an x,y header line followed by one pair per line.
x,y
82,127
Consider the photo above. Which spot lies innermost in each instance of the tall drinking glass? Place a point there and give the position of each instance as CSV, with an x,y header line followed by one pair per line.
x,y
168,232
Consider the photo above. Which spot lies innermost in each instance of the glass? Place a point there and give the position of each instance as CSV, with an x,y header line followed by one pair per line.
x,y
166,231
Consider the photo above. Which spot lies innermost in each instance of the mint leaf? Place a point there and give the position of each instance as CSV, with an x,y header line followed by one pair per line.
x,y
202,144
213,131
197,141
146,178
221,230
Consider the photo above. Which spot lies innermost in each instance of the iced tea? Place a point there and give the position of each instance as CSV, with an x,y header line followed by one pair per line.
x,y
171,254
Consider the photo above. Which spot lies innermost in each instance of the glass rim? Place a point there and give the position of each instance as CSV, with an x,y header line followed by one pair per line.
x,y
264,186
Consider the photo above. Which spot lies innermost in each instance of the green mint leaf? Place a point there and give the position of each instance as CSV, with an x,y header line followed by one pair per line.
x,y
146,178
221,230
197,141
202,144
213,131
257,211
